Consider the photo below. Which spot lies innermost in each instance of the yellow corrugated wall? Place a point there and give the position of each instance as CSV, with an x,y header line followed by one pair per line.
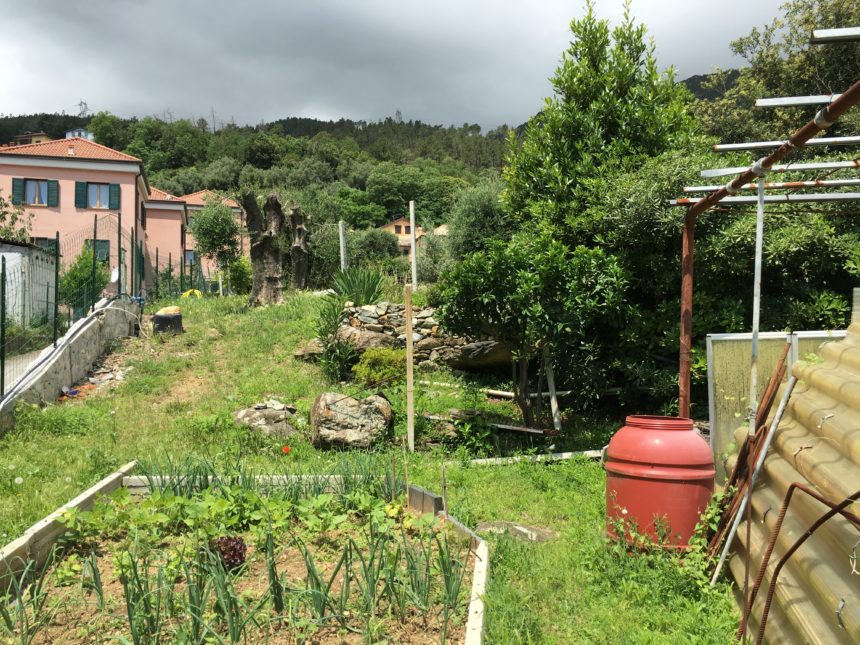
x,y
818,443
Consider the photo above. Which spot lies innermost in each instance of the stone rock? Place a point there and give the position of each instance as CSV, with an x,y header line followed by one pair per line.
x,y
343,421
312,351
520,531
429,343
372,327
363,339
425,313
267,420
480,354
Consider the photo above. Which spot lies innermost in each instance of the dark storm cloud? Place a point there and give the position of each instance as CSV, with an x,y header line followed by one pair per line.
x,y
441,62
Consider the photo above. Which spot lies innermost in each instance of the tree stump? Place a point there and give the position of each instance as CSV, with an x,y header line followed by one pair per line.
x,y
265,229
299,249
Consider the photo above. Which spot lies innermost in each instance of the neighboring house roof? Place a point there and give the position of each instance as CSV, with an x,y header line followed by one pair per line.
x,y
158,195
199,198
72,148
442,229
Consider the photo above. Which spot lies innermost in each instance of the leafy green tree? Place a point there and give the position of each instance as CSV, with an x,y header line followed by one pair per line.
x,y
110,130
434,257
216,232
222,174
534,291
356,208
478,217
369,247
611,109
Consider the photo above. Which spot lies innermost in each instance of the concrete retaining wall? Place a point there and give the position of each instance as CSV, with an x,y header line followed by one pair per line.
x,y
69,361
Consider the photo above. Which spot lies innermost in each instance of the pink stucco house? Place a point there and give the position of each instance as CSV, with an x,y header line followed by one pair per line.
x,y
166,223
67,183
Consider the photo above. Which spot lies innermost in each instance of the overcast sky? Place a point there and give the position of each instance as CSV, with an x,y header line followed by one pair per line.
x,y
440,61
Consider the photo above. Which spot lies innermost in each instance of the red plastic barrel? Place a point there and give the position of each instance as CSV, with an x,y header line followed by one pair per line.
x,y
659,479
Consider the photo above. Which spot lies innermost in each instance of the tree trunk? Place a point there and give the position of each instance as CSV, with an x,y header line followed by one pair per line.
x,y
521,388
265,229
299,249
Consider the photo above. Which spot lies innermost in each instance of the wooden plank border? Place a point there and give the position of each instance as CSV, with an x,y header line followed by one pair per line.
x,y
36,542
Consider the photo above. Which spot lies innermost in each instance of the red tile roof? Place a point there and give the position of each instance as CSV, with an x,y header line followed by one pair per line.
x,y
162,196
199,198
76,148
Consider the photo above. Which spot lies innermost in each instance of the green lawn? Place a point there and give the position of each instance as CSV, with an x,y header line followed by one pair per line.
x,y
178,401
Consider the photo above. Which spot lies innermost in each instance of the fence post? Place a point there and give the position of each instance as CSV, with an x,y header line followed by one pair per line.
x,y
170,273
131,263
341,230
156,273
182,274
410,397
413,245
56,287
93,276
118,254
3,327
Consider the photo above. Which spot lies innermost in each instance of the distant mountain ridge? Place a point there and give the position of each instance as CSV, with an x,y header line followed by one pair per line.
x,y
696,82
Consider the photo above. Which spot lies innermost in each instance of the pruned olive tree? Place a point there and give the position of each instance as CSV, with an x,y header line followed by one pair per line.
x,y
265,230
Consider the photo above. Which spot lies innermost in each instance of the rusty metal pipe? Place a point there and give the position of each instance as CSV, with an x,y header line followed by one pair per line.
x,y
771,544
823,120
835,509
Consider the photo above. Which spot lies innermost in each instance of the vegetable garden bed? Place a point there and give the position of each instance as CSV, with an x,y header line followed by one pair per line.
x,y
327,560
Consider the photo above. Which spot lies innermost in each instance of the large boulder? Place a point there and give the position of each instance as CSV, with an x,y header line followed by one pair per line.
x,y
310,352
477,355
363,338
343,421
269,418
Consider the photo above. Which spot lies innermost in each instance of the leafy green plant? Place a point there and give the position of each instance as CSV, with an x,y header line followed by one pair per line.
x,y
319,514
24,610
144,598
359,286
69,571
378,366
338,354
80,286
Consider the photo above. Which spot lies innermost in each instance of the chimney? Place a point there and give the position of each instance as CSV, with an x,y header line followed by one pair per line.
x,y
71,150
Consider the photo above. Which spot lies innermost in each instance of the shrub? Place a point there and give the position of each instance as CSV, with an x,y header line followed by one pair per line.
x,y
379,365
338,355
360,286
240,275
369,247
79,286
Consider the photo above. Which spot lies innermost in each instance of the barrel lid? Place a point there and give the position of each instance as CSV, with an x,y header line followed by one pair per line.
x,y
656,440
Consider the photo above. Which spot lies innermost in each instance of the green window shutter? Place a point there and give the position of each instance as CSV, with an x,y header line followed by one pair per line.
x,y
53,192
80,194
113,197
102,250
17,191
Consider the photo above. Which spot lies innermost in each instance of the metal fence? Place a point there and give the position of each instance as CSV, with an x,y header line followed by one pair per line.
x,y
172,276
28,308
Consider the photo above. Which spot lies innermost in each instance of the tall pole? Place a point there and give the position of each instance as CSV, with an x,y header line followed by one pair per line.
x,y
410,383
56,286
181,274
119,254
93,276
131,264
759,243
341,229
156,273
3,327
686,357
412,242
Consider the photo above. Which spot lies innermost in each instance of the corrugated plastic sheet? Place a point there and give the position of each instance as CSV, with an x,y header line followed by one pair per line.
x,y
817,443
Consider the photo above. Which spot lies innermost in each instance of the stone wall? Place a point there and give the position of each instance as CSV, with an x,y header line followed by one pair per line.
x,y
384,325
69,361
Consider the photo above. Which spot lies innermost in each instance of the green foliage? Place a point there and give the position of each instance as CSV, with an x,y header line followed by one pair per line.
x,y
379,365
782,62
535,291
338,355
434,257
359,286
15,223
612,108
240,275
477,217
80,285
216,232
370,247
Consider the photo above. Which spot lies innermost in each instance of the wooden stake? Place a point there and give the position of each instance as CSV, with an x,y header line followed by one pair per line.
x,y
410,383
406,471
413,244
550,383
444,492
341,229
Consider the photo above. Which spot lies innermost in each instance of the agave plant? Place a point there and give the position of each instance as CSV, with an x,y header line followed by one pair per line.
x,y
361,286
